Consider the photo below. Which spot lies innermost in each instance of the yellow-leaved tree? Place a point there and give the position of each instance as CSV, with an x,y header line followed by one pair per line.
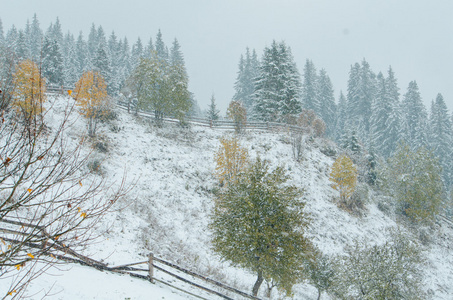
x,y
237,112
29,90
344,177
231,159
92,98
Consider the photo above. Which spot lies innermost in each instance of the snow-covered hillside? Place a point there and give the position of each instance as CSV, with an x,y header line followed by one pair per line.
x,y
169,172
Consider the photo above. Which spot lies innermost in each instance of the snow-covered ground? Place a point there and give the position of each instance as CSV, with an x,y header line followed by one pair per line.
x,y
169,171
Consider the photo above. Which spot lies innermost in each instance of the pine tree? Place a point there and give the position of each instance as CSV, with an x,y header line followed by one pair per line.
x,y
137,53
161,49
277,87
213,113
341,115
70,70
83,57
244,85
35,40
310,99
326,100
441,139
414,118
52,62
2,36
259,224
22,47
384,122
361,92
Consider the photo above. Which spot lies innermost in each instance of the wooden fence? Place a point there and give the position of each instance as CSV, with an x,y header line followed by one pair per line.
x,y
11,231
220,124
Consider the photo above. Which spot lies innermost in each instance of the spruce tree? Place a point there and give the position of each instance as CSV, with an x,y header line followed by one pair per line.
x,y
309,97
244,85
277,86
440,129
341,115
35,40
326,102
212,113
384,122
361,92
161,49
414,118
70,70
52,62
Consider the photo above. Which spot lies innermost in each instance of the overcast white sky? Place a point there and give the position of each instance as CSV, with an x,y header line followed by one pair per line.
x,y
415,37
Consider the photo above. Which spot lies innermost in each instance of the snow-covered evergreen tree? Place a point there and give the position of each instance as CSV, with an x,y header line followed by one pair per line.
x,y
149,49
440,129
244,85
309,95
137,53
2,36
213,113
161,49
361,92
414,118
52,61
278,86
83,57
384,122
35,40
326,100
70,71
341,116
22,52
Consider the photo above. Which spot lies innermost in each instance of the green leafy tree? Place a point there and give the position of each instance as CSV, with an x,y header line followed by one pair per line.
x,y
259,224
321,272
161,87
392,270
414,179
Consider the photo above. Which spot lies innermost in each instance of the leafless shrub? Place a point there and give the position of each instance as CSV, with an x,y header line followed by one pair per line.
x,y
49,204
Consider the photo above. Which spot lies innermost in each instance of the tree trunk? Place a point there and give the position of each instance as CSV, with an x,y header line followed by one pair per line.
x,y
319,294
258,282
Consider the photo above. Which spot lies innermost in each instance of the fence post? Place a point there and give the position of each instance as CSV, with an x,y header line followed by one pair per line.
x,y
151,267
210,123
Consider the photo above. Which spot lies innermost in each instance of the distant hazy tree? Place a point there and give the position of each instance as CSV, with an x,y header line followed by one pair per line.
x,y
309,95
212,113
244,86
414,118
52,61
361,92
327,108
259,224
161,49
385,118
440,136
92,98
